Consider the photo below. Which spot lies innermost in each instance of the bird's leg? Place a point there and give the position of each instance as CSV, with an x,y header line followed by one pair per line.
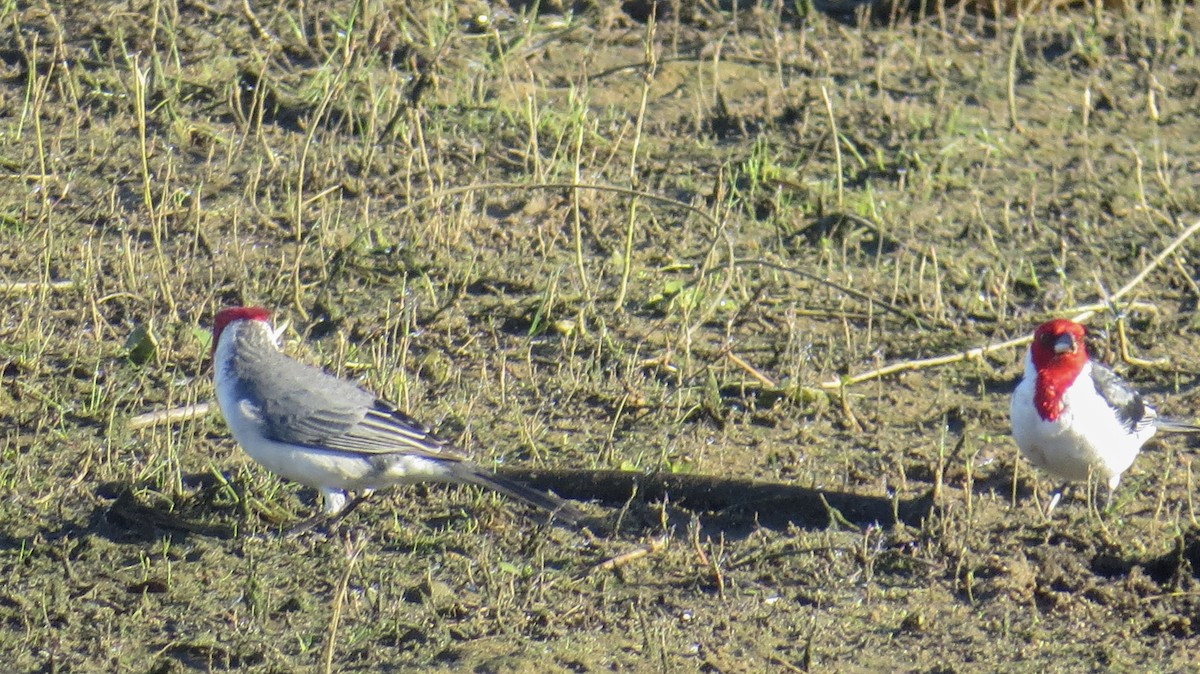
x,y
1055,498
327,520
1105,535
306,524
341,514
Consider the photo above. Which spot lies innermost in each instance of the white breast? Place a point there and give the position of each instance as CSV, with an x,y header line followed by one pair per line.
x,y
1086,438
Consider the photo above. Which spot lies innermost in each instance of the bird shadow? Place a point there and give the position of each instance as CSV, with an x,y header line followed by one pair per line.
x,y
139,514
1182,562
732,506
126,513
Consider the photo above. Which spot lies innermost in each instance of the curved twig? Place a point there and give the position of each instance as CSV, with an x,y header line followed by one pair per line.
x,y
981,351
857,294
649,196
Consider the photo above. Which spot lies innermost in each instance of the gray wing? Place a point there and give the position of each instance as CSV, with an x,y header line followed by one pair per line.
x,y
303,405
1132,410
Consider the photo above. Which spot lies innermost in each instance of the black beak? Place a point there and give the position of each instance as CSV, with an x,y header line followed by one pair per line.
x,y
1065,344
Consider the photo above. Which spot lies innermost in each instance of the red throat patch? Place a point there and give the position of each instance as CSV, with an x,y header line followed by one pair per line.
x,y
1050,389
1056,368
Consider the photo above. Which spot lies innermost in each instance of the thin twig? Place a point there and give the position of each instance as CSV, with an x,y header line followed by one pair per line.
x,y
1130,359
31,177
261,32
785,664
1187,278
170,416
1122,339
1013,50
1153,264
353,551
858,294
837,147
493,187
851,417
13,287
979,352
750,369
625,558
704,215
922,363
647,82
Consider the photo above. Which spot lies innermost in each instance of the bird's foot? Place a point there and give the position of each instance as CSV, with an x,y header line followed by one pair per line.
x,y
327,521
1055,498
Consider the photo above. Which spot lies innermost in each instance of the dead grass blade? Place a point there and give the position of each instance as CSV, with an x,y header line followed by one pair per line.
x,y
169,416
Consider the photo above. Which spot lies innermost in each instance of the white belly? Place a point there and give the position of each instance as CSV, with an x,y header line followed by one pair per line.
x,y
330,469
1086,438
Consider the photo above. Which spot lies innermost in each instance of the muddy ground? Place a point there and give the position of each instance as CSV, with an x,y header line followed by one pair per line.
x,y
770,202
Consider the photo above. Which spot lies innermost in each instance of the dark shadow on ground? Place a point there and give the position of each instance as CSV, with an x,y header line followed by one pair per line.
x,y
128,513
1177,566
729,503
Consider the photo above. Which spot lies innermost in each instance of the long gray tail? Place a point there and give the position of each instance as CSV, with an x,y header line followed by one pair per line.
x,y
522,492
1172,426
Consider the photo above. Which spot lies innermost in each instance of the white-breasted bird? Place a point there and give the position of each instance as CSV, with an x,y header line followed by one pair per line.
x,y
323,432
1073,417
